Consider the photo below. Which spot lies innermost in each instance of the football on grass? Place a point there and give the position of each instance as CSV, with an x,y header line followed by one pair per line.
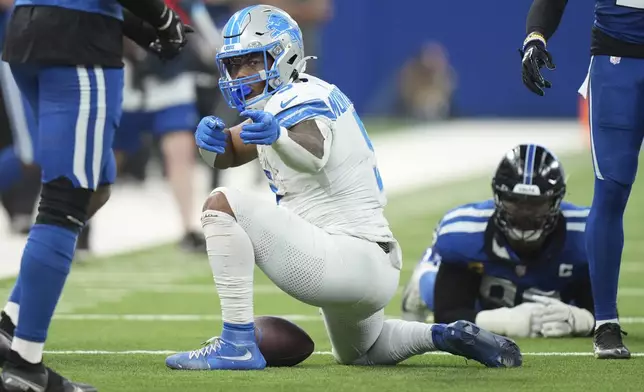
x,y
281,342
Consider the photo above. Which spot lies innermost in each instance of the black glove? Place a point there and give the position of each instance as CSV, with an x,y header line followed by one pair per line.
x,y
139,32
171,35
534,57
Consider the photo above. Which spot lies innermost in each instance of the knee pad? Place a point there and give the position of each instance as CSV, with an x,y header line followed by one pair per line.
x,y
61,204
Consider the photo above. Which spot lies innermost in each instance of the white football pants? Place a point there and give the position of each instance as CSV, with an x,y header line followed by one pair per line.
x,y
350,279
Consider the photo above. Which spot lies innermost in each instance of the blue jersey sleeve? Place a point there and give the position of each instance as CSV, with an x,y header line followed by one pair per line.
x,y
460,235
574,252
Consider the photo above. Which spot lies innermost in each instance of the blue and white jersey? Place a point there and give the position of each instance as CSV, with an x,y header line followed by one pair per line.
x,y
466,236
347,195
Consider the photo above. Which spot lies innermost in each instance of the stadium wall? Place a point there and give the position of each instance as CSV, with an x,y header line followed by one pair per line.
x,y
140,216
365,41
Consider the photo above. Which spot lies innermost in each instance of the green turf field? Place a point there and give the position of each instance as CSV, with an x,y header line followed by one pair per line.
x,y
163,300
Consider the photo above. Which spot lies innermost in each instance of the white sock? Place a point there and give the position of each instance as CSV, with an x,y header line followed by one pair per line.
x,y
232,261
12,310
29,351
398,341
599,323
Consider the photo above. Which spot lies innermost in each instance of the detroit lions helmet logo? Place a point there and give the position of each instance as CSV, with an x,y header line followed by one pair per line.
x,y
278,25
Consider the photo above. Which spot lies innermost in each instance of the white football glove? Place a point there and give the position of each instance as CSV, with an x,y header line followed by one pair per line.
x,y
521,321
560,319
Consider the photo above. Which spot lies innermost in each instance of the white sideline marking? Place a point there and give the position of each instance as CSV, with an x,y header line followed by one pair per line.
x,y
215,317
168,317
169,352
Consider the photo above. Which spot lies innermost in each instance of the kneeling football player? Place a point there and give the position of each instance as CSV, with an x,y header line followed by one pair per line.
x,y
516,264
325,240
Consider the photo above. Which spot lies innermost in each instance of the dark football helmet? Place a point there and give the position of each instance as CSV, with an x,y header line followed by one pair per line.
x,y
529,185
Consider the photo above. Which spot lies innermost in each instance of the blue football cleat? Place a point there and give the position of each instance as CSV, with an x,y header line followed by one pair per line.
x,y
466,339
234,350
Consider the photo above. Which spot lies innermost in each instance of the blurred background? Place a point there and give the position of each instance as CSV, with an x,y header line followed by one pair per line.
x,y
413,58
439,78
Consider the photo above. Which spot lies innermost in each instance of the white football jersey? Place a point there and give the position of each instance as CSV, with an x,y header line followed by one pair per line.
x,y
347,195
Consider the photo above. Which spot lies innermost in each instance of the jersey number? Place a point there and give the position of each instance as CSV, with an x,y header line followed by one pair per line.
x,y
630,3
376,172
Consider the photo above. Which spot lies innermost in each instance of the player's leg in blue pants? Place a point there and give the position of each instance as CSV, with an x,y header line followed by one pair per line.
x,y
78,109
616,99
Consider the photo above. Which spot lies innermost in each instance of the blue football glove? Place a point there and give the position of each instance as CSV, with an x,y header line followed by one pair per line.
x,y
265,128
210,135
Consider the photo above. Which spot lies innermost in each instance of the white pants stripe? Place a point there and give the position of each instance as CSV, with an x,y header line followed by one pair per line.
x,y
82,127
82,123
99,128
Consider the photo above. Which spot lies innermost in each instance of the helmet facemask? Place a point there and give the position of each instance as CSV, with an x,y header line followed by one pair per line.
x,y
526,220
243,93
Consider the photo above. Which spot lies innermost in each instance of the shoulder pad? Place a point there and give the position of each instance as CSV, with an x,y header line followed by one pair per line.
x,y
469,212
298,103
460,235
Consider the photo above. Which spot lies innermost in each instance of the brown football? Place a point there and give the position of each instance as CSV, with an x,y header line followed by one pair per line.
x,y
281,342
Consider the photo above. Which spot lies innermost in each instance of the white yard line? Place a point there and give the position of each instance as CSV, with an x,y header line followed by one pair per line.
x,y
215,317
169,352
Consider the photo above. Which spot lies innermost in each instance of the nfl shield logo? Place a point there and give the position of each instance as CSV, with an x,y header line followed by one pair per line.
x,y
520,270
615,60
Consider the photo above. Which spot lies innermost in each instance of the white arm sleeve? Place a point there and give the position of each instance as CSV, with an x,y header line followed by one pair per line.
x,y
297,157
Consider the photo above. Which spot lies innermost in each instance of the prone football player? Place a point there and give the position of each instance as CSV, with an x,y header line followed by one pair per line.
x,y
325,241
516,264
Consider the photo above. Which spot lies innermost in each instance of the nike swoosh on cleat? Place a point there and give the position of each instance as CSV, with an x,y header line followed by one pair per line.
x,y
248,355
284,104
